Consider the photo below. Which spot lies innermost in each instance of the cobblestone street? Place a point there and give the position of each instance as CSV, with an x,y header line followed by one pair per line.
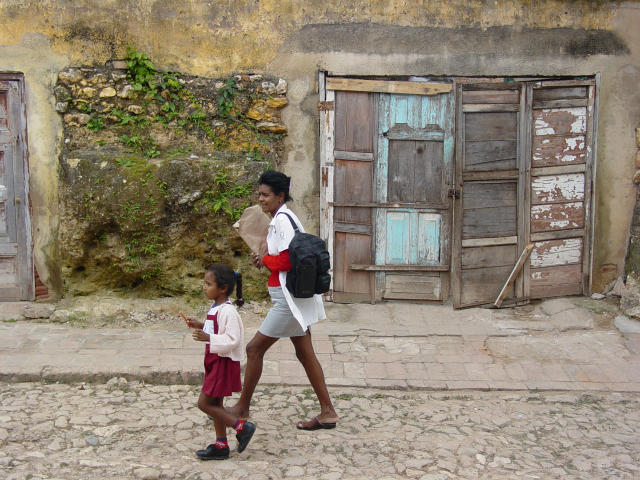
x,y
129,429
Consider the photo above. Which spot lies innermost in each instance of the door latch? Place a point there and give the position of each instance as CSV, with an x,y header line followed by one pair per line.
x,y
453,193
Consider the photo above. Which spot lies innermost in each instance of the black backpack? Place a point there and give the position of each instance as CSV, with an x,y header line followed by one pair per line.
x,y
310,264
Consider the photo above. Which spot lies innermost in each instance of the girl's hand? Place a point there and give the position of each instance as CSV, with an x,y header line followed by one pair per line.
x,y
200,336
191,323
257,259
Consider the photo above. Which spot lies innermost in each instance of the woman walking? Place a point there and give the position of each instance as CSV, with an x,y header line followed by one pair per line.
x,y
289,316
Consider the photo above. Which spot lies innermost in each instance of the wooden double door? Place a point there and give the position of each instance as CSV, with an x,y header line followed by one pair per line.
x,y
433,189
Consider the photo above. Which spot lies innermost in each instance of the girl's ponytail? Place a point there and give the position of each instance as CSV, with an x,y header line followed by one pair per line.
x,y
239,300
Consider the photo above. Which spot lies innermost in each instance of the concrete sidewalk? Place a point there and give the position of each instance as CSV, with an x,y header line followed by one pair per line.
x,y
560,344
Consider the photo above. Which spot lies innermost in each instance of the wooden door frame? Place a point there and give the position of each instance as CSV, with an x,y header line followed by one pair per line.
x,y
26,284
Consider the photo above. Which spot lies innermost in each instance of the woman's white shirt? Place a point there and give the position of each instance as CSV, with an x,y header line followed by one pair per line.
x,y
307,311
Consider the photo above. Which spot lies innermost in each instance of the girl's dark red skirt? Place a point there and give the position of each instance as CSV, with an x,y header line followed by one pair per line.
x,y
221,375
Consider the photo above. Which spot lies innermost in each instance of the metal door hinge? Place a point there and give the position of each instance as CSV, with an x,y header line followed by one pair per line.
x,y
325,106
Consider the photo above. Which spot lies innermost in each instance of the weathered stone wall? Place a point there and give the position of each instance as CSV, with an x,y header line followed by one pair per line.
x,y
633,254
154,170
293,40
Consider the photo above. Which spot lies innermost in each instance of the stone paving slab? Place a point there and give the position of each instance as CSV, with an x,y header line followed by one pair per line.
x,y
393,345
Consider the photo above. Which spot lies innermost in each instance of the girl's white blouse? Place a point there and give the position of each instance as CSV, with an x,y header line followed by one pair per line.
x,y
229,341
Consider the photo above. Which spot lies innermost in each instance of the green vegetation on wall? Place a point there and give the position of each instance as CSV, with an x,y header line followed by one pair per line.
x,y
155,170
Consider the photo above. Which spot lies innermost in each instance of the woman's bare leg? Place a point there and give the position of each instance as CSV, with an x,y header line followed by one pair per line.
x,y
256,349
307,357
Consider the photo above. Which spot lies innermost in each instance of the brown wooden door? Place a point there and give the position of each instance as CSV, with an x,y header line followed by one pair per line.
x,y
353,193
524,164
487,233
16,267
562,117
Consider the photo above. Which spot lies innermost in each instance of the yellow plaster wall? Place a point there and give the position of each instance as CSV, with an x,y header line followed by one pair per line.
x,y
213,38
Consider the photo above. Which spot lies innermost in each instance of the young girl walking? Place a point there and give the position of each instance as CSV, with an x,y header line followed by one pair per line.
x,y
224,336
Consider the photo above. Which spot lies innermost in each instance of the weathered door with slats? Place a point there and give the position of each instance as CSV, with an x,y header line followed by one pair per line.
x,y
353,193
16,268
561,173
487,173
524,167
413,177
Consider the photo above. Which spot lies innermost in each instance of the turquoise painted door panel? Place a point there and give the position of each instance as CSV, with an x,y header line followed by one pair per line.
x,y
412,238
414,171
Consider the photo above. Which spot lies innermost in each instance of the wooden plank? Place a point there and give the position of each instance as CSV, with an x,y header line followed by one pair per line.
x,y
491,156
557,252
514,273
490,175
488,242
521,287
415,172
556,290
490,107
350,297
418,206
353,228
484,222
578,102
556,281
589,191
353,182
557,216
326,147
490,126
563,83
385,86
558,150
474,84
351,248
557,188
8,249
489,194
560,121
400,268
354,122
541,171
559,275
456,250
482,285
547,92
557,235
353,156
412,287
492,256
510,96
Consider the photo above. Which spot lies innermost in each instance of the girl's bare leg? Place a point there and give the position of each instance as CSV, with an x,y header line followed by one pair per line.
x,y
213,406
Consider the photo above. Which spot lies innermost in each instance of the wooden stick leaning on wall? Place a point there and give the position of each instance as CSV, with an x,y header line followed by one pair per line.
x,y
514,274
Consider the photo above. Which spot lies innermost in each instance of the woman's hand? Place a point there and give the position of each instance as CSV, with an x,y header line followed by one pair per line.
x,y
257,259
200,336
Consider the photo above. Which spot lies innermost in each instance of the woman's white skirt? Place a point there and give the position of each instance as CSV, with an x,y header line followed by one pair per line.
x,y
280,322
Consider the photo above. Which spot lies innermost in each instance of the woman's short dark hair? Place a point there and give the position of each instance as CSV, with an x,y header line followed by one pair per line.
x,y
277,181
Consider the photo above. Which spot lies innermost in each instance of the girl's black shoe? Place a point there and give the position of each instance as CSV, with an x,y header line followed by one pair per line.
x,y
213,453
245,435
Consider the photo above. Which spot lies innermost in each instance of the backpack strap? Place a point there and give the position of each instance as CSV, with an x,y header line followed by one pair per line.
x,y
293,224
